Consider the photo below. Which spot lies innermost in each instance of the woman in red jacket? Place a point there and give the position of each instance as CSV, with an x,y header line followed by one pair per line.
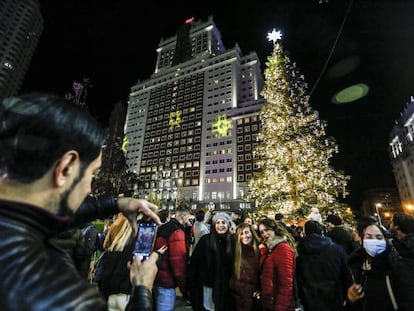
x,y
277,268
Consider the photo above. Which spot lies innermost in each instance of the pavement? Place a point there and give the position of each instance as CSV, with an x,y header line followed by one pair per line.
x,y
180,303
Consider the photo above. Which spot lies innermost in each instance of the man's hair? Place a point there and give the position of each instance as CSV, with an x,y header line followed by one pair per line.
x,y
199,215
36,129
312,226
404,222
182,209
279,217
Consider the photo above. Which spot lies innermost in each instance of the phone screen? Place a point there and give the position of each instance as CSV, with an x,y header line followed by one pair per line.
x,y
144,244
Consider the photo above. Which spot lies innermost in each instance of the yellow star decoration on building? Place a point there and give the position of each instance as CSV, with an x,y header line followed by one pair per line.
x,y
124,144
175,118
222,125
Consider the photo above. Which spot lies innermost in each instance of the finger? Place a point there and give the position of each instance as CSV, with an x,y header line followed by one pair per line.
x,y
146,210
152,259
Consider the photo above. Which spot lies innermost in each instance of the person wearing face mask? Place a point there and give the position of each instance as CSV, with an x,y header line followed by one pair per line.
x,y
244,282
373,286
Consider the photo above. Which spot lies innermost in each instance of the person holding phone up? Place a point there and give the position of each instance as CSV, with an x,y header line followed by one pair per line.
x,y
373,274
50,150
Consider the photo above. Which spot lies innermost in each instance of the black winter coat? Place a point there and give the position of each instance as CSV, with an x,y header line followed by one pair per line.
x,y
373,281
334,257
34,273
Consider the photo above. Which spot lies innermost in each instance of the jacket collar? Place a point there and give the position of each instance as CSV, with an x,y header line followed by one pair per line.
x,y
32,216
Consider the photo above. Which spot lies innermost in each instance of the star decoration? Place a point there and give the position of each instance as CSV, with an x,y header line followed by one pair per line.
x,y
125,144
221,126
175,118
274,36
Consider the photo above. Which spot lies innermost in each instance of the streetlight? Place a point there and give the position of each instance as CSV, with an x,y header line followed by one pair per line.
x,y
410,208
377,206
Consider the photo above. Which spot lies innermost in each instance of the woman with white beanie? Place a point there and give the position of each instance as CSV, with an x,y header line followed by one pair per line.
x,y
211,267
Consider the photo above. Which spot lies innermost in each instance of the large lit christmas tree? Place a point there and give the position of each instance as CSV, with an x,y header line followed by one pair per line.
x,y
294,152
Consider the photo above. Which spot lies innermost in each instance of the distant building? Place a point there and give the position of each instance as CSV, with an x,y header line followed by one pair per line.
x,y
192,126
21,25
402,156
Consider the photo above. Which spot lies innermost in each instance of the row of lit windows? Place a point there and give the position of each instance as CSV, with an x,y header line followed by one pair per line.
x,y
220,179
187,182
180,165
216,152
177,134
170,151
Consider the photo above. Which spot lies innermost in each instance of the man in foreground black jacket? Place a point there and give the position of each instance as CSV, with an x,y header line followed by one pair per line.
x,y
50,150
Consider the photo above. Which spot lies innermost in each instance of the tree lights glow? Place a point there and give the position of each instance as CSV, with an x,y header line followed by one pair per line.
x,y
294,152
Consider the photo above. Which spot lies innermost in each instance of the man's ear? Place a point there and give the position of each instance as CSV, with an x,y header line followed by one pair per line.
x,y
65,167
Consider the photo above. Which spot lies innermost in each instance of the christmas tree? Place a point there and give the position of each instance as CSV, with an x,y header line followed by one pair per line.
x,y
294,151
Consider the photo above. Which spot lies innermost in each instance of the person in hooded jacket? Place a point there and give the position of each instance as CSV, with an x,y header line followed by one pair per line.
x,y
331,275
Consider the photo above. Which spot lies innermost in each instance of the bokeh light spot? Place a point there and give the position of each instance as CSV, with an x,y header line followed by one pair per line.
x,y
351,94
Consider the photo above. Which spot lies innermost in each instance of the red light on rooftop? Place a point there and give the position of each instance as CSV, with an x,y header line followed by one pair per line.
x,y
189,20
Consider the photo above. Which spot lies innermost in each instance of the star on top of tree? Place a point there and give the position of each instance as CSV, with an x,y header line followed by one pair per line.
x,y
274,36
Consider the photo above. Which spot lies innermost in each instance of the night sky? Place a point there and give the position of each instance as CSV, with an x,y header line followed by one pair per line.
x,y
113,44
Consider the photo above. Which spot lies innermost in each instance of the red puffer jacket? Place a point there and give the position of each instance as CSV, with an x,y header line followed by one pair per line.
x,y
276,278
172,271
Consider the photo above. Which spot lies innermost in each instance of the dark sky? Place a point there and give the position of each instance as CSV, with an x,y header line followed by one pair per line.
x,y
113,43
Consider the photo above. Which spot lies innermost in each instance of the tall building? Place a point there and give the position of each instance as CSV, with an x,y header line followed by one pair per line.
x,y
192,126
402,156
21,25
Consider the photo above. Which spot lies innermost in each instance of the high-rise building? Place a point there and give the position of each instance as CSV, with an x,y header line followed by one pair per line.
x,y
402,156
192,126
21,25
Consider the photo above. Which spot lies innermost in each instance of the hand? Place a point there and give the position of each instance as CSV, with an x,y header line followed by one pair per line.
x,y
131,207
162,249
143,273
355,292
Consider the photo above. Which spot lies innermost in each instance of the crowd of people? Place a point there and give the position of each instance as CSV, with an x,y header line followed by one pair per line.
x,y
221,261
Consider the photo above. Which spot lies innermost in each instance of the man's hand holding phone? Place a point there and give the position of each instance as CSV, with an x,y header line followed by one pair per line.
x,y
144,243
144,273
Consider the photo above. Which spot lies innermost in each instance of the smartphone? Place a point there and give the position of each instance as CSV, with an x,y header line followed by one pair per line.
x,y
144,244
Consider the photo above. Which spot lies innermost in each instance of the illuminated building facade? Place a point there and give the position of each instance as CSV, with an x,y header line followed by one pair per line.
x,y
21,25
401,149
192,126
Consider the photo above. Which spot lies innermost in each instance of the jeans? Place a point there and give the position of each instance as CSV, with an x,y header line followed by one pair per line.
x,y
164,298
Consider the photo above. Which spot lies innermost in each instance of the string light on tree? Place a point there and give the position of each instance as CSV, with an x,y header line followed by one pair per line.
x,y
294,152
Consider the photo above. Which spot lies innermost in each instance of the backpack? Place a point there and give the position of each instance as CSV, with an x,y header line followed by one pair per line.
x,y
319,289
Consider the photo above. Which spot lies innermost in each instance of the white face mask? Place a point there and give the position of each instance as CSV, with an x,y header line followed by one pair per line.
x,y
373,247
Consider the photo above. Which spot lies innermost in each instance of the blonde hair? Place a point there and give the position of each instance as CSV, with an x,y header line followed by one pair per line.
x,y
239,263
121,238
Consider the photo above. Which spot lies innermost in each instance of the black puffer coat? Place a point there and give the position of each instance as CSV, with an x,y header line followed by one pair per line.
x,y
34,273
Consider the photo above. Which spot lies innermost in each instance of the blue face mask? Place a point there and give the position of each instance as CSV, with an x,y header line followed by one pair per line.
x,y
373,247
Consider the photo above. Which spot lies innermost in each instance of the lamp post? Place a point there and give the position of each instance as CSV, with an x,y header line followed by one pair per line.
x,y
377,206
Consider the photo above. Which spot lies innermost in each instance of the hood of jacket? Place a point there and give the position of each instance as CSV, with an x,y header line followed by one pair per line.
x,y
313,243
